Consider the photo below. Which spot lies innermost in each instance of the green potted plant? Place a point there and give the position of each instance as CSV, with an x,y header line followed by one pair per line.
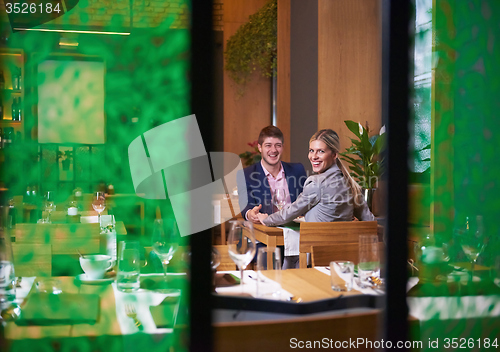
x,y
253,156
254,46
364,157
65,157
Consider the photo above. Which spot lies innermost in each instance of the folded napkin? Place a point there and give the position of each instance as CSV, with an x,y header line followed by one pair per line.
x,y
165,313
291,239
61,309
225,280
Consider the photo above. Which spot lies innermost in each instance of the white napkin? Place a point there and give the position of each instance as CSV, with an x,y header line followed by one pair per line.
x,y
22,292
444,308
249,286
292,241
141,300
91,219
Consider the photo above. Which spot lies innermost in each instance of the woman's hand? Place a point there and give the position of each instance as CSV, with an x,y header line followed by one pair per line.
x,y
262,217
252,214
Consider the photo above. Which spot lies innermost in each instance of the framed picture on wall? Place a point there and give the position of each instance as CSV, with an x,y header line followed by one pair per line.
x,y
71,101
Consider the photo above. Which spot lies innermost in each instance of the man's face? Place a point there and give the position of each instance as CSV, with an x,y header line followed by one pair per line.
x,y
271,150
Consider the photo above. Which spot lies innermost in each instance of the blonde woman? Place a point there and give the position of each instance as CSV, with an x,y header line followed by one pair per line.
x,y
331,194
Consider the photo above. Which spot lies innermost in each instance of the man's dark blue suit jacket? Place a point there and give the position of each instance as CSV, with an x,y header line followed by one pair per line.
x,y
258,189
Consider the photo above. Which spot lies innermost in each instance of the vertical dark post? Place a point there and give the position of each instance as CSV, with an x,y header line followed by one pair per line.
x,y
202,105
396,58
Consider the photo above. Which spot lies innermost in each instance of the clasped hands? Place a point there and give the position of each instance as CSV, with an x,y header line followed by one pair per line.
x,y
254,216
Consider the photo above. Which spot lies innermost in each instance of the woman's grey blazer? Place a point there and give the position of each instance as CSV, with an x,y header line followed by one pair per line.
x,y
326,197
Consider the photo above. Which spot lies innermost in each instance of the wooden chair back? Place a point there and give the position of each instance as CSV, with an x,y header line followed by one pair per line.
x,y
273,335
226,263
328,233
323,255
63,238
32,259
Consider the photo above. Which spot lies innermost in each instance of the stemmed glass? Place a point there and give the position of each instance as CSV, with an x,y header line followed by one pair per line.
x,y
48,204
165,243
99,204
471,236
241,244
279,198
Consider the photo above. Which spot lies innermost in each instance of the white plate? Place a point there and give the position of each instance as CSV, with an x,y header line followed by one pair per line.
x,y
83,278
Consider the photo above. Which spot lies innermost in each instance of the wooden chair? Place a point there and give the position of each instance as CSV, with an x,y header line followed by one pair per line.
x,y
32,259
225,209
323,255
63,238
278,335
329,233
226,263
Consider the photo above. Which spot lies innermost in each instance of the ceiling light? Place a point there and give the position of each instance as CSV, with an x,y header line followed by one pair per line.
x,y
70,31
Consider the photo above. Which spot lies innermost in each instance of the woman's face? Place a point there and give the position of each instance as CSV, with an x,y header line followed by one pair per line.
x,y
320,156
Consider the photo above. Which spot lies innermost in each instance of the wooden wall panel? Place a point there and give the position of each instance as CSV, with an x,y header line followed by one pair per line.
x,y
244,116
283,93
349,65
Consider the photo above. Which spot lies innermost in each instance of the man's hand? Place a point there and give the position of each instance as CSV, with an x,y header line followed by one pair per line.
x,y
252,214
262,217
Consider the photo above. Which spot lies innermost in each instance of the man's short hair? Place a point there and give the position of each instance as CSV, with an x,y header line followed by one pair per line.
x,y
270,131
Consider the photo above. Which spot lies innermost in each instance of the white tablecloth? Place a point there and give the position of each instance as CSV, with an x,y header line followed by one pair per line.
x,y
250,286
142,300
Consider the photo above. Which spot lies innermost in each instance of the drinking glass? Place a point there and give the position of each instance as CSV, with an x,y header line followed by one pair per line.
x,y
99,204
341,275
495,274
369,260
279,198
214,263
7,274
165,243
215,259
129,266
48,205
269,277
108,231
241,244
470,234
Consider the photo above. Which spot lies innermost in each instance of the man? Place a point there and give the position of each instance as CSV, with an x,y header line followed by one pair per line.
x,y
263,178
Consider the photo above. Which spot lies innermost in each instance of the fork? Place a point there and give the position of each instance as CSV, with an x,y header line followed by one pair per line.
x,y
131,313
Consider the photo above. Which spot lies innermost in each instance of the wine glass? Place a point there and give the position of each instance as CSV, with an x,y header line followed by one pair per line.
x,y
165,243
214,263
279,198
241,244
48,204
472,239
99,204
215,259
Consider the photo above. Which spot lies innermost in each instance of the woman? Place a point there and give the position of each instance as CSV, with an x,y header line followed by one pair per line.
x,y
331,194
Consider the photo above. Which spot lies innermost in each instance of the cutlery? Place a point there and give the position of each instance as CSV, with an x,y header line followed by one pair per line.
x,y
131,313
251,277
294,299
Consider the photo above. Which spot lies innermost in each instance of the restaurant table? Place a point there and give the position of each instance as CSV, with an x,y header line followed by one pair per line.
x,y
113,330
304,291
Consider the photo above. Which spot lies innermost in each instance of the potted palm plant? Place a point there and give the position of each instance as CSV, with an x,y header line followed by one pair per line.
x,y
65,157
364,158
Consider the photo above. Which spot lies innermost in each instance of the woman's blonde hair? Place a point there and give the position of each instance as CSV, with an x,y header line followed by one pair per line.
x,y
332,141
